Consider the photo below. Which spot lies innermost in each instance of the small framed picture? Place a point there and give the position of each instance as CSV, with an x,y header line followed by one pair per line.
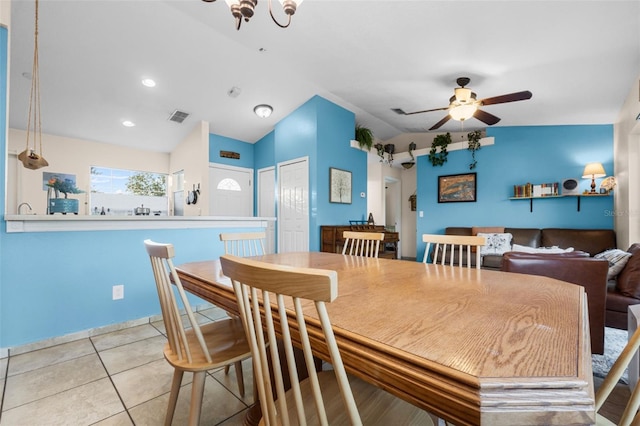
x,y
457,188
604,191
339,186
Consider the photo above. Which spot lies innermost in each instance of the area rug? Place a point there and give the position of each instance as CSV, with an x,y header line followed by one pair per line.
x,y
614,342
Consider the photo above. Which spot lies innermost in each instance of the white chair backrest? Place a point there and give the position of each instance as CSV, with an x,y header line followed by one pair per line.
x,y
444,244
283,291
244,243
365,244
161,256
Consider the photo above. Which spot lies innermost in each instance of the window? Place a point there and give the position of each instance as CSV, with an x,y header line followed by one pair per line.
x,y
128,192
229,184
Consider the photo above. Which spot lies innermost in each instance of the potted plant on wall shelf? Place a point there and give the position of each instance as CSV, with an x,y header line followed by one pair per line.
x,y
364,136
438,153
474,145
61,205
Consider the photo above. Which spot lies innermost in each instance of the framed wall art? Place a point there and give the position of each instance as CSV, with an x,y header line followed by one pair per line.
x,y
339,186
457,188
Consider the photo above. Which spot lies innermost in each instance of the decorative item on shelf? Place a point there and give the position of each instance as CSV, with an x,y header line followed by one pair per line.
x,y
370,220
474,145
364,136
570,186
413,199
389,149
523,191
593,171
65,205
30,159
409,164
244,10
608,184
438,158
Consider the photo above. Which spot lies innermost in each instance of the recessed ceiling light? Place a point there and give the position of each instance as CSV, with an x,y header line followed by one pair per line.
x,y
127,123
149,82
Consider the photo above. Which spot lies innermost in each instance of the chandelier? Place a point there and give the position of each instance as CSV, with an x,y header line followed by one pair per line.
x,y
243,9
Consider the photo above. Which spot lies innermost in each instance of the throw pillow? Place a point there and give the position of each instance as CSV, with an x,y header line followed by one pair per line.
x,y
617,259
628,282
548,250
476,230
495,243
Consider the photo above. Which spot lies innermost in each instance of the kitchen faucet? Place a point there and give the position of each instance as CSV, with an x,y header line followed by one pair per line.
x,y
24,204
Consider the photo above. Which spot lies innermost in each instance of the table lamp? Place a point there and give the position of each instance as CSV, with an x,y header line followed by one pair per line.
x,y
593,171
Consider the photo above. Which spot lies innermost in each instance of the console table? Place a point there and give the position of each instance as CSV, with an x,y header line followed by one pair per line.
x,y
331,239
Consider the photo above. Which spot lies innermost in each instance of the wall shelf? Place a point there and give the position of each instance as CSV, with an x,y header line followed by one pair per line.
x,y
578,196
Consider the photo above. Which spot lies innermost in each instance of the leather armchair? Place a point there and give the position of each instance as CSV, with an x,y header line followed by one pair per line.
x,y
574,267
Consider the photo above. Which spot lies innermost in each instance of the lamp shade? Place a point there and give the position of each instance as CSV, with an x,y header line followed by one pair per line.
x,y
593,170
463,112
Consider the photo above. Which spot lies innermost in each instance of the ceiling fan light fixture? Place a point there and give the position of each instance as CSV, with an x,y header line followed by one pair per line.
x,y
463,112
463,95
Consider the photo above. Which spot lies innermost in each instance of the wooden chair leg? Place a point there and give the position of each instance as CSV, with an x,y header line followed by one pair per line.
x,y
197,393
240,377
173,396
226,369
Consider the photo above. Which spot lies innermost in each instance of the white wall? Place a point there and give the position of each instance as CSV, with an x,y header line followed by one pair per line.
x,y
70,156
626,154
192,156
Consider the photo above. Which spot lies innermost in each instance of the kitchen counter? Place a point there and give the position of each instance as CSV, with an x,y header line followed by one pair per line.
x,y
65,223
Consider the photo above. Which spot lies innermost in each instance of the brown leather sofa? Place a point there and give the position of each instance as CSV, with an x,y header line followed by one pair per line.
x,y
624,291
592,241
574,267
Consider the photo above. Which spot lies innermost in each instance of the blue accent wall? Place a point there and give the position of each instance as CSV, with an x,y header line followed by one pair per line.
x,y
56,283
219,143
264,151
322,131
534,154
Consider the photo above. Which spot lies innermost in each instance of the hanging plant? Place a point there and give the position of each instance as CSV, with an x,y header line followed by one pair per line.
x,y
438,158
364,136
380,148
390,149
474,145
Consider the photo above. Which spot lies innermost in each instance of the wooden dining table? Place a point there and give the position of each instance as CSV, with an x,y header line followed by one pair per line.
x,y
471,346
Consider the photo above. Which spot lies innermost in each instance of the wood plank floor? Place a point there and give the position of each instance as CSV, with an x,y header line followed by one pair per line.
x,y
614,405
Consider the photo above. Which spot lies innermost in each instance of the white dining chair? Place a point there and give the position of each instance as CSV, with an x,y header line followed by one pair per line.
x,y
365,244
267,292
449,249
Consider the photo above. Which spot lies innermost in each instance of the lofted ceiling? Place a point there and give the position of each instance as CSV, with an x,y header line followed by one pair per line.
x,y
579,58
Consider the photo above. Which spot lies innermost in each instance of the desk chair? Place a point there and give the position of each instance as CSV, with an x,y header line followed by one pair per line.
x,y
444,243
326,397
366,244
630,414
196,349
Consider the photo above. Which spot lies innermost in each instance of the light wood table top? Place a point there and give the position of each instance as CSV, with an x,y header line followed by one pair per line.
x,y
472,346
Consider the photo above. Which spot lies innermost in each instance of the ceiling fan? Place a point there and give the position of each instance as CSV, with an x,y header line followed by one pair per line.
x,y
464,105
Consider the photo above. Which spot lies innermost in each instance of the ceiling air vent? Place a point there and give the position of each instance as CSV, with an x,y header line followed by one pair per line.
x,y
178,116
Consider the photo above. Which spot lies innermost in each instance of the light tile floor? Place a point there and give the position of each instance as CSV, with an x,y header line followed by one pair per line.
x,y
118,378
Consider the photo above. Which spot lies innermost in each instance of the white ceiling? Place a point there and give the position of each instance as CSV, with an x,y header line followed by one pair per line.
x,y
579,58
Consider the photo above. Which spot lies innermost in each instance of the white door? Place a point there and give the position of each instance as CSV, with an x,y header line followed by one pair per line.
x,y
267,204
293,205
231,191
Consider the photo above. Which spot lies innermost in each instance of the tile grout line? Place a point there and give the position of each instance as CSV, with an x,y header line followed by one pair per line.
x,y
4,386
112,383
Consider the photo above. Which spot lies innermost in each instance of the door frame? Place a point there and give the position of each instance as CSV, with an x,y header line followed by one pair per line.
x,y
260,194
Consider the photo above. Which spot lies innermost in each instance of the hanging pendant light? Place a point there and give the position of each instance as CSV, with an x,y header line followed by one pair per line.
x,y
30,158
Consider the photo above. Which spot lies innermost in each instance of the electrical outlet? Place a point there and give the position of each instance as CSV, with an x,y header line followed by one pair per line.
x,y
118,292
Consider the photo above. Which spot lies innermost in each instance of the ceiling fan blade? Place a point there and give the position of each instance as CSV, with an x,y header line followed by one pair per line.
x,y
441,122
485,117
511,97
401,112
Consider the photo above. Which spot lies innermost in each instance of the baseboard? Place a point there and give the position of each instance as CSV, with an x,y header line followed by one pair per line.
x,y
58,340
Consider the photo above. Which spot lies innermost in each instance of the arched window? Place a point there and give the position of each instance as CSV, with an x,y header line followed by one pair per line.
x,y
229,184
